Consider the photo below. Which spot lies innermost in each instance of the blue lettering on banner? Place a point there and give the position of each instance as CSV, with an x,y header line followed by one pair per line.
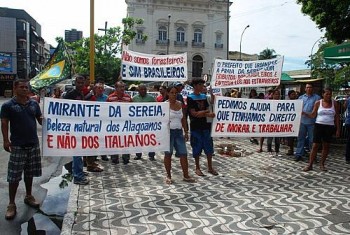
x,y
114,111
55,125
168,72
134,71
286,107
123,70
88,127
232,104
145,111
264,107
74,110
112,127
129,126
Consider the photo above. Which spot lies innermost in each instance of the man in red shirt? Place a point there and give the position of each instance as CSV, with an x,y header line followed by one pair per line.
x,y
119,95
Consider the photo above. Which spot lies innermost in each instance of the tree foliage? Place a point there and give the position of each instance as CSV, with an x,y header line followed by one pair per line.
x,y
335,75
331,15
267,54
107,51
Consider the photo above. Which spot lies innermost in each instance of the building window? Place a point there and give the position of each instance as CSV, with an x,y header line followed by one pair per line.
x,y
180,34
197,66
218,41
139,37
139,34
197,35
219,38
162,33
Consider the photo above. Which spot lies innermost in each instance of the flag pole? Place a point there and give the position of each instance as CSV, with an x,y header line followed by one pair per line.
x,y
92,42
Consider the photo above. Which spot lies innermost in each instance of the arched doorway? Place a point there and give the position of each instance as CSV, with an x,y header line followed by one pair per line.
x,y
197,66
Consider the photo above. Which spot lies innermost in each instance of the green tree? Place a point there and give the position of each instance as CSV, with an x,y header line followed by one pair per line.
x,y
332,15
107,50
335,75
267,54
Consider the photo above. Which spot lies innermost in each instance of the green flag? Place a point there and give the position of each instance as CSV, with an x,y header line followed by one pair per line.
x,y
57,69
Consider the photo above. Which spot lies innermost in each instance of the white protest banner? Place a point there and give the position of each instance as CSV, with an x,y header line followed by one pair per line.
x,y
85,128
255,117
215,91
260,73
186,91
147,67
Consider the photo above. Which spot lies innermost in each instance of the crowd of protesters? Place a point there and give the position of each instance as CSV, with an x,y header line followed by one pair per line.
x,y
319,122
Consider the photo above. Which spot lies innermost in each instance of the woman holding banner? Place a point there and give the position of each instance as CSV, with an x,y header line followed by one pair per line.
x,y
178,123
327,122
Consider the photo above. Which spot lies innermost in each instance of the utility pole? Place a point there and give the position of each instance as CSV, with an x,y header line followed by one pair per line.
x,y
168,39
105,30
92,41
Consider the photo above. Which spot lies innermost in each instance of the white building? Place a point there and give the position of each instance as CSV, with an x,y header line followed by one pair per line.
x,y
198,27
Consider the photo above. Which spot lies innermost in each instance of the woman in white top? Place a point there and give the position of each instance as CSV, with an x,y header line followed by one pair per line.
x,y
178,123
326,112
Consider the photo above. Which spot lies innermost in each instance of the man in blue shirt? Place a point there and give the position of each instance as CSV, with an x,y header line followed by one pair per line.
x,y
307,124
19,117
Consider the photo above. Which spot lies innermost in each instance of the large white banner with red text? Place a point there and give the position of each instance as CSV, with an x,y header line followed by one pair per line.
x,y
85,128
260,73
255,117
147,67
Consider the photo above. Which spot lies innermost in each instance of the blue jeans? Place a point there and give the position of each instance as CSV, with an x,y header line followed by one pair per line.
x,y
78,167
347,153
304,130
177,142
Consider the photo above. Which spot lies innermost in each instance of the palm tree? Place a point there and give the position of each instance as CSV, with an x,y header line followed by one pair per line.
x,y
267,54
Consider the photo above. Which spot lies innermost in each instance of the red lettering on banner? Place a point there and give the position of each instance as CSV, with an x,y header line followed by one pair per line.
x,y
90,142
275,128
238,128
219,127
126,141
49,140
66,142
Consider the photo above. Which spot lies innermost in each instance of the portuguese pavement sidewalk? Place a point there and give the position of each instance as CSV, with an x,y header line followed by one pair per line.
x,y
253,194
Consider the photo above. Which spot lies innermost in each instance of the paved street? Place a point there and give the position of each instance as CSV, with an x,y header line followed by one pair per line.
x,y
253,194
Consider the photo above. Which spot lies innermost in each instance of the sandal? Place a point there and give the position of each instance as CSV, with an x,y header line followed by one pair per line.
x,y
213,172
307,168
94,169
168,180
199,173
11,212
189,180
259,150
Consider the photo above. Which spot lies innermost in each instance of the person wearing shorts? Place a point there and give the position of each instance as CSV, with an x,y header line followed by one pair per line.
x,y
198,110
327,123
19,116
178,123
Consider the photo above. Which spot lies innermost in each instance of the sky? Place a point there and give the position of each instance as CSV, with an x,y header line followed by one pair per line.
x,y
273,24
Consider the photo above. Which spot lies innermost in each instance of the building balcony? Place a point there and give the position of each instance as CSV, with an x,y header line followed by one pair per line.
x,y
161,42
139,41
219,45
180,43
198,44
